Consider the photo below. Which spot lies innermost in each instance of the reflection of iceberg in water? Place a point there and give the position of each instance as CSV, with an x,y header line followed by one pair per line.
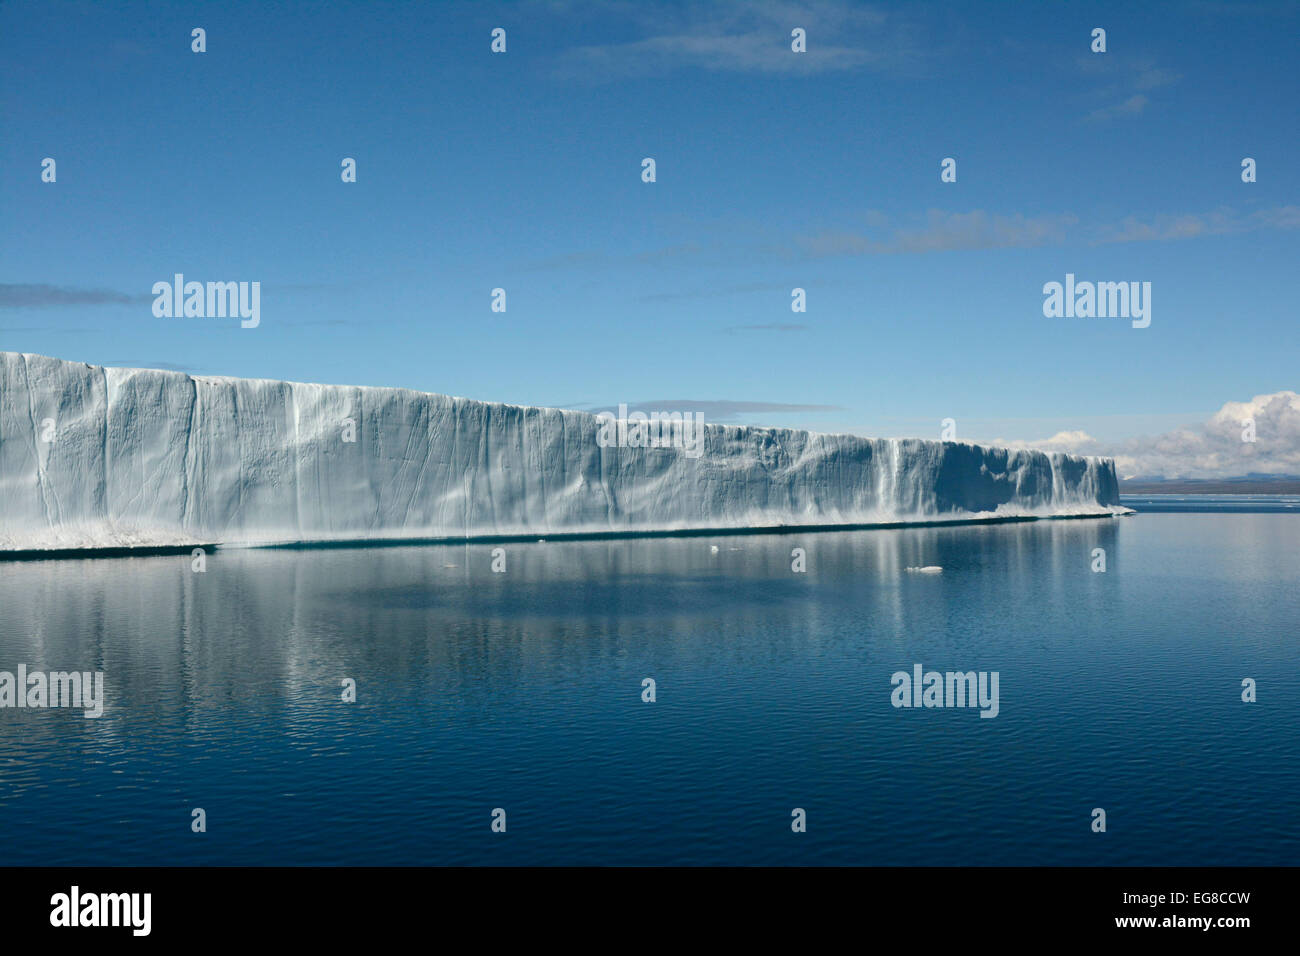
x,y
94,457
272,625
523,689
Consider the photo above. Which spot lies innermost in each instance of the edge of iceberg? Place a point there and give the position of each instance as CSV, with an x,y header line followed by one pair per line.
x,y
143,459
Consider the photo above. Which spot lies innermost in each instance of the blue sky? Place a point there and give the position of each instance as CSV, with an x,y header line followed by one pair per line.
x,y
775,170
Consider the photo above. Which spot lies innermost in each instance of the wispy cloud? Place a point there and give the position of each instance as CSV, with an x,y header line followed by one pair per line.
x,y
1155,77
599,259
770,327
36,296
1127,81
943,232
53,329
950,231
1219,222
1239,8
1130,107
714,293
937,231
748,37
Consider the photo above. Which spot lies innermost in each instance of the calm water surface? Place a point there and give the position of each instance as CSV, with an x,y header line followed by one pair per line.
x,y
1214,504
522,690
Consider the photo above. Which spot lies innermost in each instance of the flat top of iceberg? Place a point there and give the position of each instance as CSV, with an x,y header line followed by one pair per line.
x,y
402,390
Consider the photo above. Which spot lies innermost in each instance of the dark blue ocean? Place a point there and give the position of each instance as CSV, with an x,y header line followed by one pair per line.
x,y
522,690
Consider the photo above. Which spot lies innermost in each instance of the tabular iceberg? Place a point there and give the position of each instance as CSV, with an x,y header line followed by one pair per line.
x,y
96,457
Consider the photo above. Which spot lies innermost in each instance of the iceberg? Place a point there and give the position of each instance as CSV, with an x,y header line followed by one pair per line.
x,y
119,458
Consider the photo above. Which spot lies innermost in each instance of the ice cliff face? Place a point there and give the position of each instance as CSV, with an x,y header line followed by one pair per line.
x,y
95,457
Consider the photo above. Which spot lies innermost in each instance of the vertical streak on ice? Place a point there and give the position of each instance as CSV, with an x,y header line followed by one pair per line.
x,y
297,460
187,462
36,445
895,466
109,395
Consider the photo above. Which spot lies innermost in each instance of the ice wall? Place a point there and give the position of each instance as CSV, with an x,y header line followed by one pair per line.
x,y
95,457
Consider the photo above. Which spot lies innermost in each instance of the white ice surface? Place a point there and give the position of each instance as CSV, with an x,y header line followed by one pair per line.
x,y
153,458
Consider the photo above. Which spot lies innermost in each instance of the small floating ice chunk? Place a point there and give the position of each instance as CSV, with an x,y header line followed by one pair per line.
x,y
928,569
713,549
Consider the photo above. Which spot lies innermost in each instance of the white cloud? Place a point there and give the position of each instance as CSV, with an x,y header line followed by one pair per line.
x,y
1067,441
1213,449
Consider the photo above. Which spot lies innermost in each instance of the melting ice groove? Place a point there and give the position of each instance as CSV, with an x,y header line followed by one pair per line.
x,y
155,459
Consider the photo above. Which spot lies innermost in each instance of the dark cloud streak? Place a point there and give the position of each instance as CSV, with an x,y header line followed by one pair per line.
x,y
37,296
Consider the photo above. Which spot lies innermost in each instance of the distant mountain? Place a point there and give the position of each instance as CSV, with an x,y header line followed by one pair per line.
x,y
1251,484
